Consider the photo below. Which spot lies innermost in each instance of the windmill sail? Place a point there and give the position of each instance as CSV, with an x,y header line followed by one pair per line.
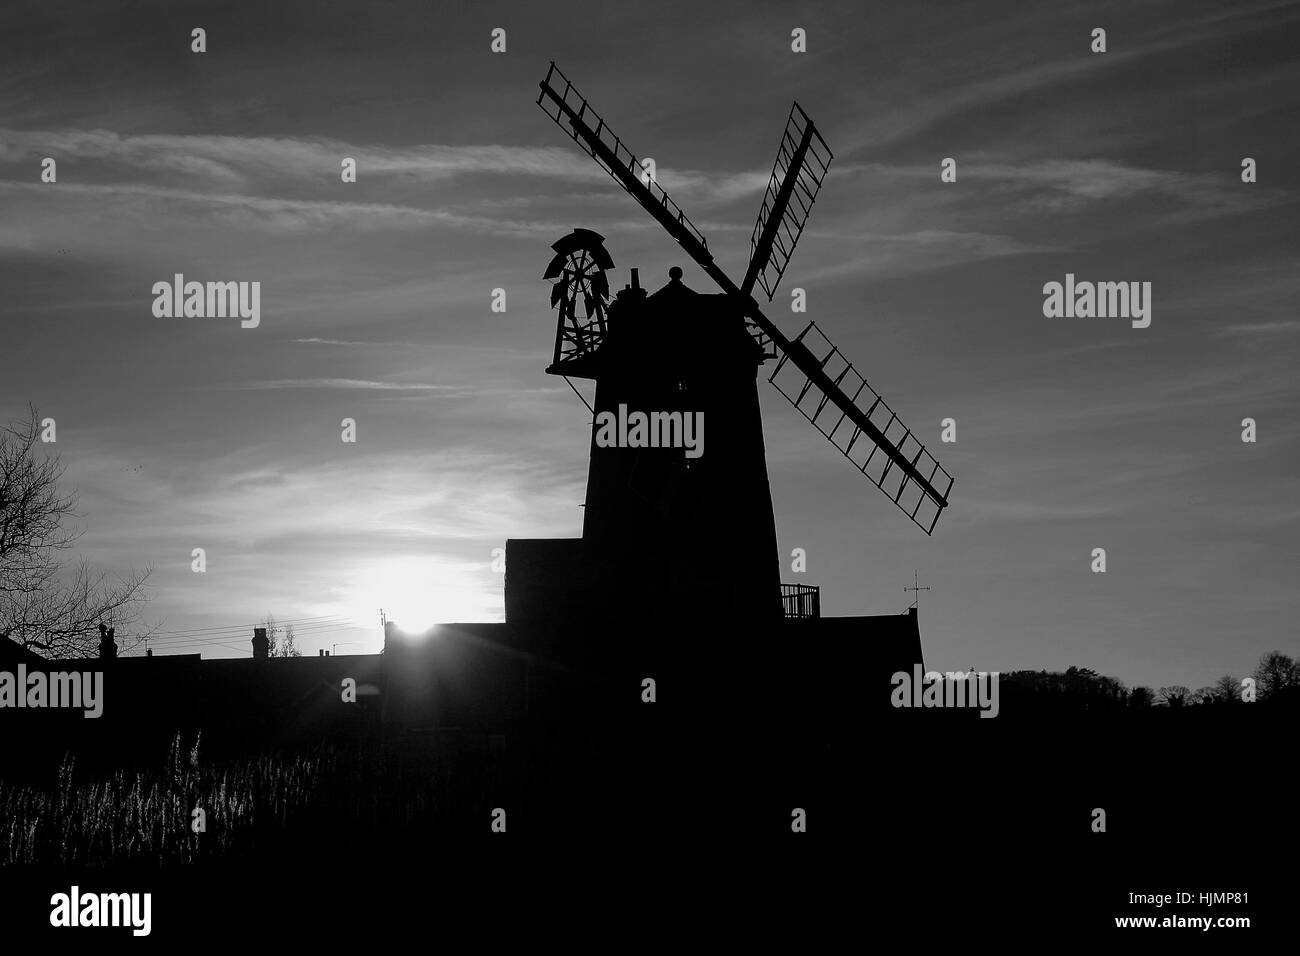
x,y
908,474
571,112
801,164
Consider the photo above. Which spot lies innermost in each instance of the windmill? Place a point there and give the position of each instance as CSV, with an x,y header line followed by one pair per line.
x,y
580,292
818,380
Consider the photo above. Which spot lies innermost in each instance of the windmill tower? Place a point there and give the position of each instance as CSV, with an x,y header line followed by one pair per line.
x,y
665,534
692,527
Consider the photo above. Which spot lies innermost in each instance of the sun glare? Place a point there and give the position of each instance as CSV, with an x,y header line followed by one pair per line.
x,y
417,595
412,615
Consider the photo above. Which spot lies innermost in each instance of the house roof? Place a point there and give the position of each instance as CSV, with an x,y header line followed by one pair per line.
x,y
12,652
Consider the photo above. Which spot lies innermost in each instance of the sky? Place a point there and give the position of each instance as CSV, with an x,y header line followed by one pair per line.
x,y
1072,433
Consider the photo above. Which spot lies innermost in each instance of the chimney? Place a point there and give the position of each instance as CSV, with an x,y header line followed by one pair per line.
x,y
322,652
148,652
107,646
633,291
261,646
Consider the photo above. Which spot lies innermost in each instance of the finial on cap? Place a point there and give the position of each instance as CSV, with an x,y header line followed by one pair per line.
x,y
675,273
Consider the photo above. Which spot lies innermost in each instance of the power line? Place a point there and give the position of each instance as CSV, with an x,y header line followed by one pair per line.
x,y
195,640
341,622
186,649
331,627
227,627
241,627
198,644
222,642
239,630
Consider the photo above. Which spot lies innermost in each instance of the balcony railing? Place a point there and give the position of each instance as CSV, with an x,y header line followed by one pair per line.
x,y
801,601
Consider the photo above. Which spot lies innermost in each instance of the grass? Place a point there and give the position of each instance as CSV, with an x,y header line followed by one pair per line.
x,y
146,817
385,792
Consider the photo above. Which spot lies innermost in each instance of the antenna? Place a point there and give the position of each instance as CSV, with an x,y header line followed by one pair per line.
x,y
916,603
906,472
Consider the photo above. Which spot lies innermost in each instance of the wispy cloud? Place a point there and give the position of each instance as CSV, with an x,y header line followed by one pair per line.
x,y
931,101
260,165
316,341
907,253
285,215
1262,328
355,384
284,158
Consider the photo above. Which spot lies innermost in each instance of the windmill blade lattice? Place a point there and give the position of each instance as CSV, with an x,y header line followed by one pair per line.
x,y
801,164
913,479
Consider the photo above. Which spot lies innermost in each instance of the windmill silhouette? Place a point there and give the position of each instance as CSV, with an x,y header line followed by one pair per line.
x,y
689,542
819,381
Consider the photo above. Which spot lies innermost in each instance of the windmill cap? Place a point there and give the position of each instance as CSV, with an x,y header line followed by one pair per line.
x,y
675,274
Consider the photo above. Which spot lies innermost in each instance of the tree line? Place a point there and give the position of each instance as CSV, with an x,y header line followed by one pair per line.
x,y
1276,680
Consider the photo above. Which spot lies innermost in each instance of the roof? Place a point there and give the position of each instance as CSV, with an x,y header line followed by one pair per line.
x,y
12,652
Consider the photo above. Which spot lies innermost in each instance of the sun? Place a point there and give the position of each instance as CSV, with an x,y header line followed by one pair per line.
x,y
417,595
413,614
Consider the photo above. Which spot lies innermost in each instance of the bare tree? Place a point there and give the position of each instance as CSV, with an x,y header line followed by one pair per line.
x,y
48,603
1276,674
1227,689
286,647
1175,696
280,639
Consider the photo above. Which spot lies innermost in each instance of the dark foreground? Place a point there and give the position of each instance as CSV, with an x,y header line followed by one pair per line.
x,y
927,827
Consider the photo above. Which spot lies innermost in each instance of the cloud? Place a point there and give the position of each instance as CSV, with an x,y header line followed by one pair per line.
x,y
237,157
976,510
314,341
252,162
1262,328
391,529
1073,185
356,384
403,389
1091,179
913,252
150,204
915,110
495,350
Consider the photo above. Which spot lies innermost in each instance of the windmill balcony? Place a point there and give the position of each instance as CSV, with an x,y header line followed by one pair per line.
x,y
801,601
